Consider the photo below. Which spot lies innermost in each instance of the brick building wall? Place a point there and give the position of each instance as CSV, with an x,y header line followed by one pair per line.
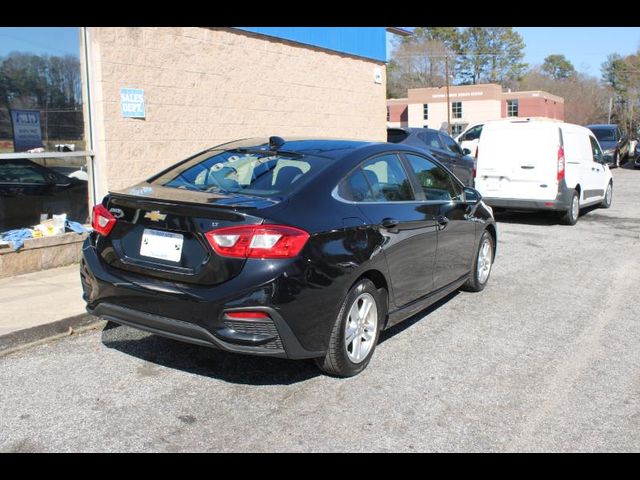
x,y
204,86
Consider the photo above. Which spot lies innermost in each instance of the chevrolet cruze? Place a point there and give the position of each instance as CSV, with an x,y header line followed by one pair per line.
x,y
295,248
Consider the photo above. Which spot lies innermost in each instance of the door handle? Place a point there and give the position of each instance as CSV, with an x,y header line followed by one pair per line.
x,y
442,221
389,223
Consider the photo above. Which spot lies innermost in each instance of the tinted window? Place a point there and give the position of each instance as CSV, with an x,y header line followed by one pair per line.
x,y
381,179
430,138
247,172
604,134
396,136
451,144
436,182
21,171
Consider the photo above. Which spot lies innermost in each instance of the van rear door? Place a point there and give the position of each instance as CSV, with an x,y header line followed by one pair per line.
x,y
518,160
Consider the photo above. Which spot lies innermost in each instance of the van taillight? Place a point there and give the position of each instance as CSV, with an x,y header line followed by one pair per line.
x,y
102,221
560,163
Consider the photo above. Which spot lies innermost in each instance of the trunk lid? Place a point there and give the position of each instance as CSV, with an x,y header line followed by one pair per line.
x,y
159,231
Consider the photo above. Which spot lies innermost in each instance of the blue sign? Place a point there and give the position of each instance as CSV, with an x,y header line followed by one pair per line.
x,y
132,102
27,133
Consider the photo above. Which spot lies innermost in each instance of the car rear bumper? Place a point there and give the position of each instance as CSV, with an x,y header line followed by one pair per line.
x,y
198,314
561,203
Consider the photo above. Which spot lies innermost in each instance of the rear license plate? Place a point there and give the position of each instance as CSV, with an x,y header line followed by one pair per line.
x,y
162,245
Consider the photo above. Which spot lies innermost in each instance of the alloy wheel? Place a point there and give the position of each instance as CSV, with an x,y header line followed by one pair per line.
x,y
361,327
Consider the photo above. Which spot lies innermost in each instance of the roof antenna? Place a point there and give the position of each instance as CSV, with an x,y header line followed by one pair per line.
x,y
275,142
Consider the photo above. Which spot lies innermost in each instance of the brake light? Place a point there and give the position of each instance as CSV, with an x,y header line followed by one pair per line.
x,y
102,221
560,163
258,241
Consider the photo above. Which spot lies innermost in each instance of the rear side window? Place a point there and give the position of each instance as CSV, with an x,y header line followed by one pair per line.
x,y
380,179
430,138
253,173
436,182
396,135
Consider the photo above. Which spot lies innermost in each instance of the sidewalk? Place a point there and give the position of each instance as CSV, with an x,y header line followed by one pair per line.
x,y
40,305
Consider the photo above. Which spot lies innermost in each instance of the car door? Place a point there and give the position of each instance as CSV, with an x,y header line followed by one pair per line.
x,y
456,225
462,167
407,228
596,171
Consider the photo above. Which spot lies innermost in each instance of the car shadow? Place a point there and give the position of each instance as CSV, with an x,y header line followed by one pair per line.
x,y
536,218
226,366
206,362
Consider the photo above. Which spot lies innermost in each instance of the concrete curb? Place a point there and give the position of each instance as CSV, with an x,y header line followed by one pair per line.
x,y
47,332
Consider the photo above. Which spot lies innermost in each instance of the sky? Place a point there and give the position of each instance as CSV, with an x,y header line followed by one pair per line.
x,y
585,47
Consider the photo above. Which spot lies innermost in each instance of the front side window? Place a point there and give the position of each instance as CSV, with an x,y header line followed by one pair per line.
x,y
472,133
595,150
451,144
380,179
437,184
247,172
512,108
456,109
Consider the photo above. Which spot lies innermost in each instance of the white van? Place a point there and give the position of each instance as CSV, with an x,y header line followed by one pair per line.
x,y
529,164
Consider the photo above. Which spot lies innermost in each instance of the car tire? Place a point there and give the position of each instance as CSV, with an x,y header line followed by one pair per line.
x,y
570,217
344,358
482,263
608,196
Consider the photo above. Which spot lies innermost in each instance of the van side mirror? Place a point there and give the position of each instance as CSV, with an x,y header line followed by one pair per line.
x,y
472,195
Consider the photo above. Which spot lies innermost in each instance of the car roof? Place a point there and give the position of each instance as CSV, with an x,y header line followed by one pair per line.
x,y
323,147
603,125
414,129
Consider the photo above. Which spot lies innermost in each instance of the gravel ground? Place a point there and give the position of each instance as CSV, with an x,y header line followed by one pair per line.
x,y
544,359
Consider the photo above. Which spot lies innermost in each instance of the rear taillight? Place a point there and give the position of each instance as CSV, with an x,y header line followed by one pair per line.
x,y
258,241
560,163
102,221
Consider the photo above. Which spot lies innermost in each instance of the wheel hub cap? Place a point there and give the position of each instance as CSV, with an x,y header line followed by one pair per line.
x,y
484,260
361,327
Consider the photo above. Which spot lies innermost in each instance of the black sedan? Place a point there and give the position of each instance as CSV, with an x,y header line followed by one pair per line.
x,y
615,145
441,146
295,249
28,190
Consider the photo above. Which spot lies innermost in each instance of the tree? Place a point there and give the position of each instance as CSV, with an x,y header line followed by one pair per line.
x,y
491,54
415,63
558,67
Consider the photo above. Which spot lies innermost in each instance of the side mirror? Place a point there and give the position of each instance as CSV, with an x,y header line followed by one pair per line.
x,y
466,151
472,195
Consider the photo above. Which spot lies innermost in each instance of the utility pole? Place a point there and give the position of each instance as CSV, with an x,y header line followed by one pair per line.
x,y
446,75
610,106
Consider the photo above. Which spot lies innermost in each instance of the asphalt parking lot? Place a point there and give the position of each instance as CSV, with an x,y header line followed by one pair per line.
x,y
546,358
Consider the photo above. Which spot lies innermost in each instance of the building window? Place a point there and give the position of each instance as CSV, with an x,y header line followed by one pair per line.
x,y
388,114
512,108
425,111
456,109
456,129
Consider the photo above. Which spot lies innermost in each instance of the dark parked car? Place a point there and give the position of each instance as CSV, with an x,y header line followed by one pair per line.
x,y
28,189
615,145
441,146
294,249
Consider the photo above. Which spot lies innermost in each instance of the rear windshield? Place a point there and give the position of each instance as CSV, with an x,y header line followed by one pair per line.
x,y
605,134
240,171
396,136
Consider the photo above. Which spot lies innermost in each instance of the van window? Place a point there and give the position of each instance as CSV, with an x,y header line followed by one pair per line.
x,y
595,150
472,134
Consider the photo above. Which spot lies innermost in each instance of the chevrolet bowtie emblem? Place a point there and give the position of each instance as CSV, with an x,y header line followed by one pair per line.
x,y
155,216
